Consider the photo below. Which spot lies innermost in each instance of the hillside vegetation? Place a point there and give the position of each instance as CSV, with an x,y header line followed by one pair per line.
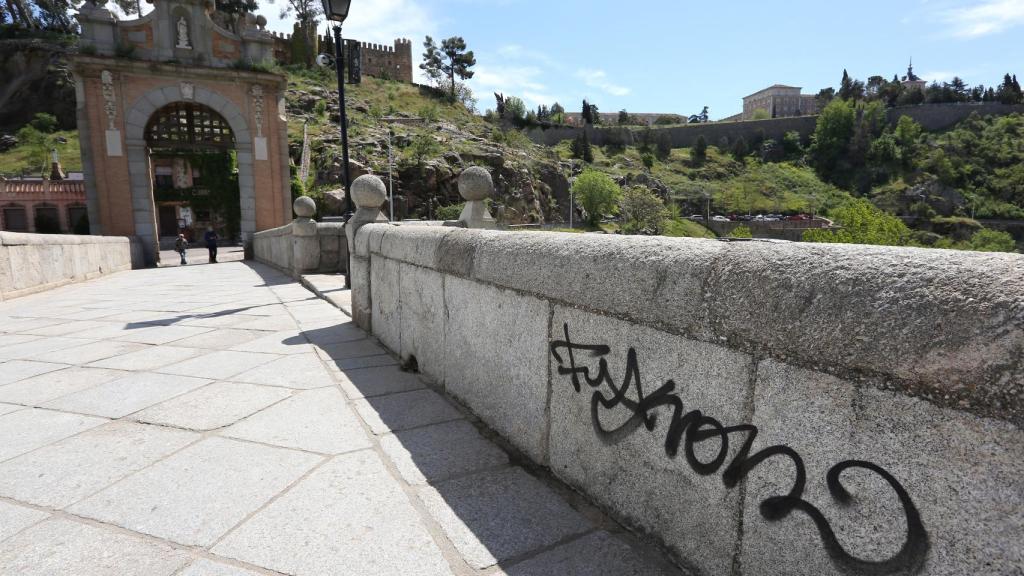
x,y
941,183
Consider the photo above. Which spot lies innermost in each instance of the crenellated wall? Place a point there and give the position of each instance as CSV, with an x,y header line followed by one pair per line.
x,y
758,408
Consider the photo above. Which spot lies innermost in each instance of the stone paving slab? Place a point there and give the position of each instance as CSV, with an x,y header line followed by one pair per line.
x,y
597,554
348,517
269,465
317,421
405,410
42,345
197,495
26,430
215,406
20,369
59,546
496,516
61,474
441,451
14,519
88,352
38,390
148,358
220,365
379,381
300,371
205,567
126,395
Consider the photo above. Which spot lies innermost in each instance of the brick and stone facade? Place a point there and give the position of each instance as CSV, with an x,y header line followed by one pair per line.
x,y
189,67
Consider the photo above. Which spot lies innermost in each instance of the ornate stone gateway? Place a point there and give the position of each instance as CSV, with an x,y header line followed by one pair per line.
x,y
178,78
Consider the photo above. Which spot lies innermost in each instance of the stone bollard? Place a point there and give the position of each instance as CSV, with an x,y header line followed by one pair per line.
x,y
476,186
368,194
305,243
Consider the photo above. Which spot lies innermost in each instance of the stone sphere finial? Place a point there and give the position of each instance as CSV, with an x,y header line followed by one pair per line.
x,y
475,183
369,192
261,21
304,207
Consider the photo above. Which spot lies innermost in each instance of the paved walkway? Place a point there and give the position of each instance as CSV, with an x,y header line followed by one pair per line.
x,y
223,421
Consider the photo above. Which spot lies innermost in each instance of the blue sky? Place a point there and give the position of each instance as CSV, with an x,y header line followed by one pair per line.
x,y
677,56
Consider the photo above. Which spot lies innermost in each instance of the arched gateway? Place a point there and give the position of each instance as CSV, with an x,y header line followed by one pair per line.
x,y
153,94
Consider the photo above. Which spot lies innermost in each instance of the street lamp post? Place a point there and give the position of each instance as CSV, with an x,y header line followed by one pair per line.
x,y
337,11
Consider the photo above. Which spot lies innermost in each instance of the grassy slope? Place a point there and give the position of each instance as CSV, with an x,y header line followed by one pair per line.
x,y
20,158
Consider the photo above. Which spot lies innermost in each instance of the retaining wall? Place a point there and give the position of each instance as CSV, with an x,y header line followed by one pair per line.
x,y
32,263
726,398
932,117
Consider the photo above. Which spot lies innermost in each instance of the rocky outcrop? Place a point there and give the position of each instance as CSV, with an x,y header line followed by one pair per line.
x,y
34,77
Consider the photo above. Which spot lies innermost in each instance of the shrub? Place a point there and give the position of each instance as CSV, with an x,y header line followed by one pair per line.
x,y
597,193
699,152
741,232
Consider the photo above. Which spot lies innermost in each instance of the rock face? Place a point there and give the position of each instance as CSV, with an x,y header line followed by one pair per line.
x,y
34,78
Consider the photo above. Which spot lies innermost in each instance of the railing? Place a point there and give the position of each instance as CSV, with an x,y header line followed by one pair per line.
x,y
43,189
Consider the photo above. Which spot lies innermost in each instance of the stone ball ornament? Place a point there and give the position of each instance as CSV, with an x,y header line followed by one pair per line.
x,y
475,183
304,207
261,21
368,191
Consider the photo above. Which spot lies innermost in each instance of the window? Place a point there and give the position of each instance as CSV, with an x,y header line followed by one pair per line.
x,y
186,125
78,219
14,218
47,219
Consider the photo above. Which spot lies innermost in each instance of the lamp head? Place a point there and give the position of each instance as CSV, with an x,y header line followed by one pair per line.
x,y
336,10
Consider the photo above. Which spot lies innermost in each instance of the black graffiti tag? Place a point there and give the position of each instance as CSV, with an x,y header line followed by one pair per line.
x,y
693,427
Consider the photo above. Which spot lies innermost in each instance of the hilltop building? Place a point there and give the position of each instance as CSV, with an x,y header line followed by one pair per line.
x,y
377,60
911,80
780,101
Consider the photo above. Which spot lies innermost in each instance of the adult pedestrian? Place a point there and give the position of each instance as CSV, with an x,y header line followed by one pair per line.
x,y
180,246
211,238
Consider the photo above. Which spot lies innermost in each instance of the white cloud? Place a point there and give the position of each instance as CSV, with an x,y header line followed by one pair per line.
x,y
511,80
985,18
599,79
939,76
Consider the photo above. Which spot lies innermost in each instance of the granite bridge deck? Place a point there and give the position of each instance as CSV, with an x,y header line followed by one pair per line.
x,y
223,420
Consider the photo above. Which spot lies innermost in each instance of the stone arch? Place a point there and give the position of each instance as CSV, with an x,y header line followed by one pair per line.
x,y
139,169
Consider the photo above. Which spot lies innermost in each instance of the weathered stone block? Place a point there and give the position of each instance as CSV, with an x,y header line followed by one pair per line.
x,y
630,473
422,315
938,456
385,287
495,344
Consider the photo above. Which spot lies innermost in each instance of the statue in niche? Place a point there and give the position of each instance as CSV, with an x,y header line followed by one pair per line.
x,y
183,34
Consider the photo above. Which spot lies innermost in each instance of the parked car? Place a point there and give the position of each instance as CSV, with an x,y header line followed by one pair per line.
x,y
696,217
719,218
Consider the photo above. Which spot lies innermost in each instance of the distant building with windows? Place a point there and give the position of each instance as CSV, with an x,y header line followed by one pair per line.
x,y
780,101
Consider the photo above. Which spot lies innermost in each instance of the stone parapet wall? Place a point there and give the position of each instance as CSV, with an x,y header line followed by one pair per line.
x,y
724,398
31,263
303,247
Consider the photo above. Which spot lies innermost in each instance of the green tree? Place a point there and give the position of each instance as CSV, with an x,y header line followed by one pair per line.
x,y
862,223
423,146
761,114
515,110
432,61
597,193
739,149
699,152
663,145
641,209
459,61
624,119
38,144
907,135
581,148
45,123
832,136
986,240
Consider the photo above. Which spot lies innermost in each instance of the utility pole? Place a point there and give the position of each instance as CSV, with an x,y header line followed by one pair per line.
x,y
391,182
